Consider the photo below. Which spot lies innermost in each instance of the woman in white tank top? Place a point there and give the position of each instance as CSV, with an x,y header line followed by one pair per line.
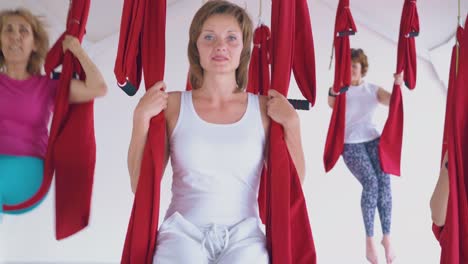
x,y
361,155
216,141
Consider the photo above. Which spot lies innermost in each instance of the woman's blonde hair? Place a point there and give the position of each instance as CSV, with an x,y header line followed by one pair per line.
x,y
219,7
41,39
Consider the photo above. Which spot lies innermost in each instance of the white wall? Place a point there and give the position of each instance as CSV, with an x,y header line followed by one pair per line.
x,y
333,200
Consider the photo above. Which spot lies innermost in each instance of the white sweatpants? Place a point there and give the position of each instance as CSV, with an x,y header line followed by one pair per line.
x,y
181,242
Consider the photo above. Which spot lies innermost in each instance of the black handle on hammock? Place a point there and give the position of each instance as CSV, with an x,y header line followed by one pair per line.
x,y
412,34
343,89
299,104
346,33
55,75
128,88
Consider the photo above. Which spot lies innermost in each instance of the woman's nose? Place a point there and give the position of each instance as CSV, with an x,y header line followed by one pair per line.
x,y
220,45
15,35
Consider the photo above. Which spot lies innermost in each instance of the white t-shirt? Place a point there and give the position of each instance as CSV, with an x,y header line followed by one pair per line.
x,y
217,167
361,102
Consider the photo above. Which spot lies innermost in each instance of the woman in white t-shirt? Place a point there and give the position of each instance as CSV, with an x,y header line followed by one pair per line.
x,y
361,154
217,137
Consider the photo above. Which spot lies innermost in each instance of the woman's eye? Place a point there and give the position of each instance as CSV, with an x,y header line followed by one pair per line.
x,y
208,37
8,29
233,37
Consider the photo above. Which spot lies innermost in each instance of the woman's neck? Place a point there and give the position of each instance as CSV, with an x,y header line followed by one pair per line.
x,y
17,71
219,86
356,82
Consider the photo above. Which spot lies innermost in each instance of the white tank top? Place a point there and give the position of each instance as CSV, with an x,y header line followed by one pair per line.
x,y
361,102
217,167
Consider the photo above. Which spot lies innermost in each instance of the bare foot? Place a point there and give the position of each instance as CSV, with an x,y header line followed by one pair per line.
x,y
389,252
371,252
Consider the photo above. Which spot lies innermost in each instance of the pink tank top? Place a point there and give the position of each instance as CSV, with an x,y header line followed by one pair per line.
x,y
25,109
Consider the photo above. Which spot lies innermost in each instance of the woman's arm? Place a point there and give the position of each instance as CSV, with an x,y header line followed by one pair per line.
x,y
151,104
383,96
331,97
135,153
292,136
282,112
439,199
94,85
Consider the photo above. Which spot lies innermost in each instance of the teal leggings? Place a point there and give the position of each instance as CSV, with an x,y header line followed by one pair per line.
x,y
20,178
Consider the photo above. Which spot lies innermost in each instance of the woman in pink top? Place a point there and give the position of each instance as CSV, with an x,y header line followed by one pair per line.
x,y
27,100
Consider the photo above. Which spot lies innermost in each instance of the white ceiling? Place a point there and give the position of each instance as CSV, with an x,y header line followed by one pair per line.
x,y
103,20
438,19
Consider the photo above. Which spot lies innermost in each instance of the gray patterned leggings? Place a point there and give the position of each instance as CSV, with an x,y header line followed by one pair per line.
x,y
362,159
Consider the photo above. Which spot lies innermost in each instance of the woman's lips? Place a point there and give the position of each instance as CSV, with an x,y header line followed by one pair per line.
x,y
219,58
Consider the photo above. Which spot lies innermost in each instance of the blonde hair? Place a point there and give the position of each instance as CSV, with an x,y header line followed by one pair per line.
x,y
41,39
219,7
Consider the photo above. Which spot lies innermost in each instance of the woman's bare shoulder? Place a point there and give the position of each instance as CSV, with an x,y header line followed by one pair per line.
x,y
173,106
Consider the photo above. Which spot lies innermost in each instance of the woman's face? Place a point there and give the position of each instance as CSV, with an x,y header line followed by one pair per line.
x,y
220,44
17,40
356,71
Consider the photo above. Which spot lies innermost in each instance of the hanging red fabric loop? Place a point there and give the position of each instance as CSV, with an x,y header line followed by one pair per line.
x,y
259,68
289,236
344,27
453,237
392,135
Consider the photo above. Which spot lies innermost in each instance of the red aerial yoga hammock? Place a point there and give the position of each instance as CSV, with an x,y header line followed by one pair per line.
x,y
392,134
71,150
391,138
259,67
289,237
453,236
451,83
344,27
142,48
259,70
288,228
